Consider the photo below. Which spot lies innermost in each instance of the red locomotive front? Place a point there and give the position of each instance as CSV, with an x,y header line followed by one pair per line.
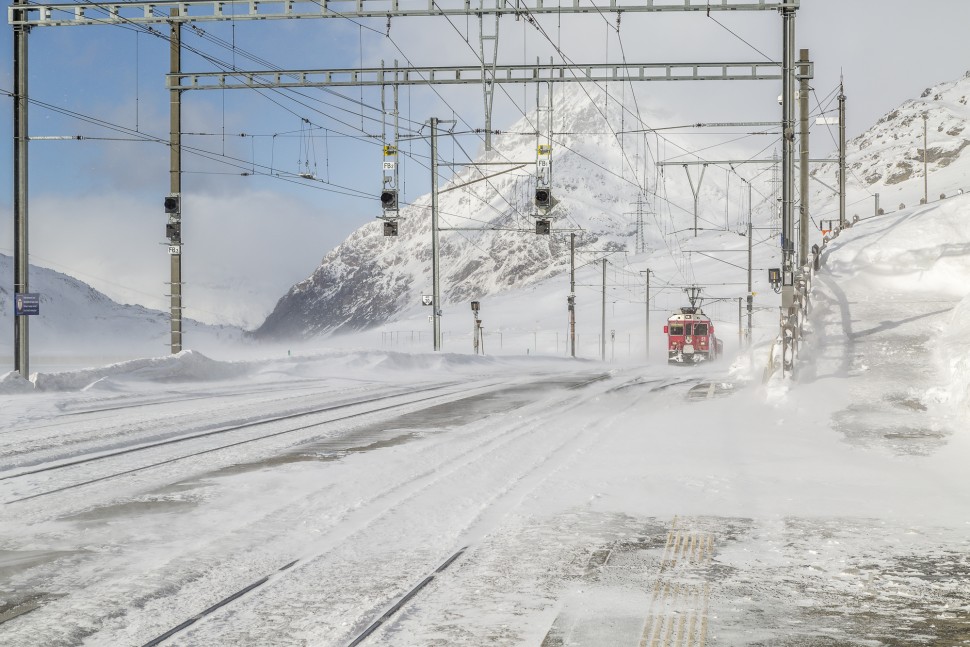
x,y
691,338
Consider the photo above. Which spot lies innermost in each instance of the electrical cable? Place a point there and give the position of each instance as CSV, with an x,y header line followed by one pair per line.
x,y
211,59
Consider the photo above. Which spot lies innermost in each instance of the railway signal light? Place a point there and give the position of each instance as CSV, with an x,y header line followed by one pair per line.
x,y
172,204
390,228
774,278
543,197
389,199
543,227
173,230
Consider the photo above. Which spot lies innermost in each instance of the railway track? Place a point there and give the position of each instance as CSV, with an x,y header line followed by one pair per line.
x,y
215,440
348,522
385,503
72,431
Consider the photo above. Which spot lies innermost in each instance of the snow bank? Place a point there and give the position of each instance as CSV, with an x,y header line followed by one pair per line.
x,y
192,366
925,248
400,361
920,255
186,366
12,382
365,363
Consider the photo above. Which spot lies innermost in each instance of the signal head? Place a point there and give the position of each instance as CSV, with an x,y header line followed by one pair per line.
x,y
389,200
543,197
172,203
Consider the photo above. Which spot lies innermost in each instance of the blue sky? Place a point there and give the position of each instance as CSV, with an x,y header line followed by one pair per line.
x,y
96,204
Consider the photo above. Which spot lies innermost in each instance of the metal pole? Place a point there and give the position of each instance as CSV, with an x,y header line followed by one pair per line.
x,y
740,326
648,314
788,158
646,303
397,136
750,245
572,294
21,262
803,109
926,176
842,169
603,328
175,183
436,287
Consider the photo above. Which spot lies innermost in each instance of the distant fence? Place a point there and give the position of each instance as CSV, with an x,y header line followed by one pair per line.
x,y
507,342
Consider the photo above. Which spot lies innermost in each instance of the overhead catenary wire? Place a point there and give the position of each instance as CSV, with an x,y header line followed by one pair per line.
x,y
230,67
212,59
199,152
626,158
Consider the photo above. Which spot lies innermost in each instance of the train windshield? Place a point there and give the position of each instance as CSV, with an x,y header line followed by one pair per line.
x,y
677,329
700,329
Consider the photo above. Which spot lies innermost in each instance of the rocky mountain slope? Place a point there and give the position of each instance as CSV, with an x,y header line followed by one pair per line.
x,y
888,158
492,246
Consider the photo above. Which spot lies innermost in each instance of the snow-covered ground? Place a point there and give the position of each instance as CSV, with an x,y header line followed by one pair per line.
x,y
588,503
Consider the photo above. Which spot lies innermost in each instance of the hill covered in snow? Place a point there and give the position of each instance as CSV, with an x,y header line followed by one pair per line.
x,y
492,245
78,323
888,158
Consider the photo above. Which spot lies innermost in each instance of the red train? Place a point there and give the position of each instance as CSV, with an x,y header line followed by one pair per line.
x,y
691,338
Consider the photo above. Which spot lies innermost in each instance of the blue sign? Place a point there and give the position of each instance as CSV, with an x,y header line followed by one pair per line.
x,y
26,303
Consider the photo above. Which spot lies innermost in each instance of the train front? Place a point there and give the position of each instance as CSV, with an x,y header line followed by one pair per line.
x,y
690,337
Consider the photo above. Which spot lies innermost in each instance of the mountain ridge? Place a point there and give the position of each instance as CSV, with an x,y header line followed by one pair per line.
x,y
496,247
76,319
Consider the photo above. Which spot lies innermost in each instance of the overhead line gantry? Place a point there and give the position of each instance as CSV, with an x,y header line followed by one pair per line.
x,y
463,74
153,13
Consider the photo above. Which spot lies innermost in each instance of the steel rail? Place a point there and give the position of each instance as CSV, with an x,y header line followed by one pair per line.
x,y
221,430
221,447
505,437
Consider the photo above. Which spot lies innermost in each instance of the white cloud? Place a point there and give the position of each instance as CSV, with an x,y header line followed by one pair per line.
x,y
241,252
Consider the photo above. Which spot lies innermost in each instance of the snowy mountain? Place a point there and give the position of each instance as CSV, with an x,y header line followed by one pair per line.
x,y
77,320
370,278
888,158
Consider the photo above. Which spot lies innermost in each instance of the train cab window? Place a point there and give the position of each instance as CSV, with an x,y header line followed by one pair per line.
x,y
677,329
700,329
